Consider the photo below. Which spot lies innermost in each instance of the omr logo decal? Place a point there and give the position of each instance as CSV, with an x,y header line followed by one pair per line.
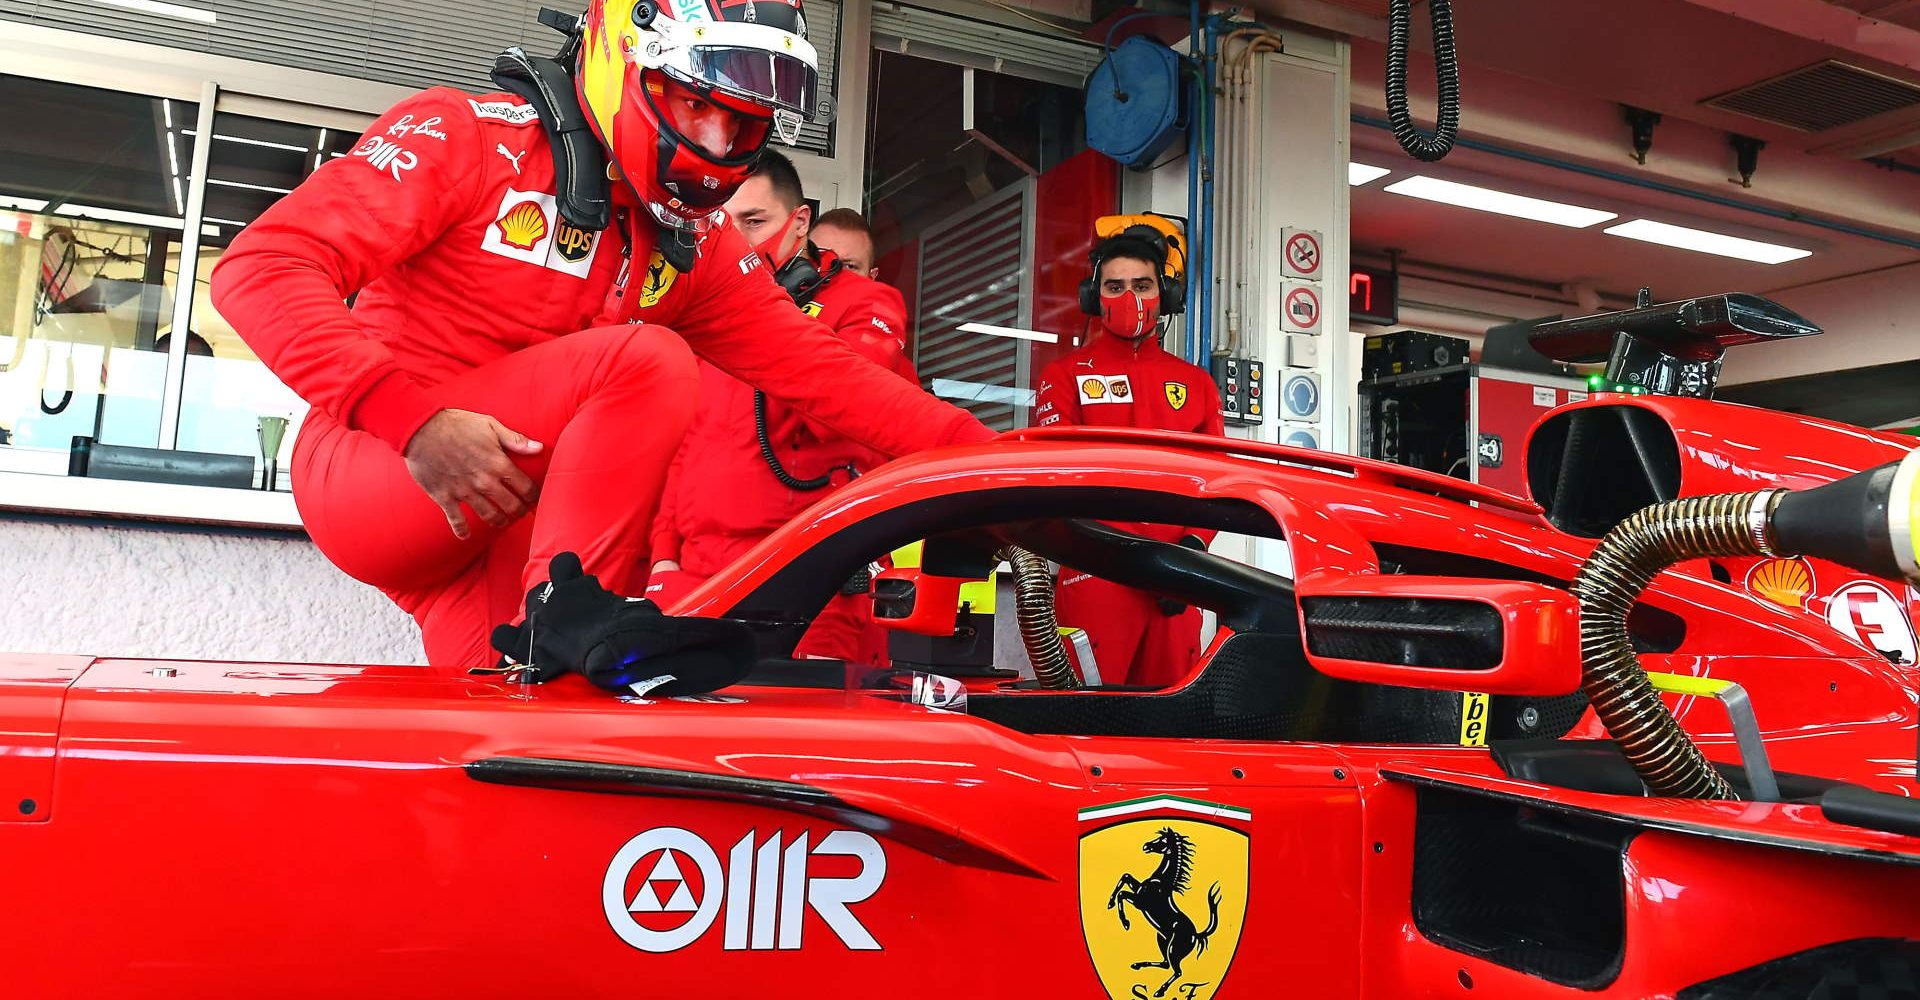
x,y
666,888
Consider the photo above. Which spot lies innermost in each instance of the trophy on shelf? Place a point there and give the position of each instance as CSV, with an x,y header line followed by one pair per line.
x,y
272,430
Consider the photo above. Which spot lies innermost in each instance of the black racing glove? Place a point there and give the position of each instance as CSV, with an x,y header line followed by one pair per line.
x,y
623,644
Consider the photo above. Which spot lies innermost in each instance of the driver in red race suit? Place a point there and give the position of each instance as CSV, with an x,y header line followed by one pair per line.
x,y
1124,378
487,402
728,490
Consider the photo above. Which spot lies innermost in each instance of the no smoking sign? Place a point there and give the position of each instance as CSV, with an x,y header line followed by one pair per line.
x,y
1301,254
1300,307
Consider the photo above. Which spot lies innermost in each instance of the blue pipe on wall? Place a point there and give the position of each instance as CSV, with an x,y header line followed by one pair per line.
x,y
1196,259
1205,356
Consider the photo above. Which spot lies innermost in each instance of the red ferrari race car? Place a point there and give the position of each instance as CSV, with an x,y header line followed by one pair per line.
x,y
1465,748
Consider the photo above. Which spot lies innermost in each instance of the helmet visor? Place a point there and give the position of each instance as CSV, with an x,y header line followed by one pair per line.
x,y
774,79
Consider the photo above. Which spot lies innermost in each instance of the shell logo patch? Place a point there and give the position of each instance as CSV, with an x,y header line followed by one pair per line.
x,y
523,226
1105,389
528,228
660,278
1786,582
1163,894
1176,394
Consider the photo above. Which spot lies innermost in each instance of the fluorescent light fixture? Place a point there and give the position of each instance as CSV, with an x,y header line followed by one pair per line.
x,y
173,155
980,392
23,204
116,215
1701,241
1364,173
1499,202
166,106
322,143
250,187
178,197
225,222
1009,331
164,9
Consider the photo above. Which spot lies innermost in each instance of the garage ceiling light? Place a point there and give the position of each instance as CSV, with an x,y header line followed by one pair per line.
x,y
1009,331
1500,202
1364,173
1701,241
116,215
164,9
24,204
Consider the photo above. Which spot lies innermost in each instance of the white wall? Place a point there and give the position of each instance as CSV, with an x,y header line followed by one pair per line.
x,y
1869,319
174,591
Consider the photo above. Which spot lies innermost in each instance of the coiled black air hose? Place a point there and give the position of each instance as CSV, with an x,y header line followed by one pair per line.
x,y
787,479
1418,144
1039,626
1625,561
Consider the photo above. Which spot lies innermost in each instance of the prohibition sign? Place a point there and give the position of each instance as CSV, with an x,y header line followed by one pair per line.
x,y
1303,252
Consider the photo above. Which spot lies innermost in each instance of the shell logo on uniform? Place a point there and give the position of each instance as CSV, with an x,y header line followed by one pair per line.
x,y
660,278
1163,894
523,226
1093,388
1176,394
1786,582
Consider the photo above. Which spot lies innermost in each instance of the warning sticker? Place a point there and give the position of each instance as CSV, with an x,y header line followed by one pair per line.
x,y
1302,254
1300,309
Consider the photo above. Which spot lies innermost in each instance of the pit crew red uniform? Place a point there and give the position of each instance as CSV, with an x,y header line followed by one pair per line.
x,y
1114,382
470,289
722,498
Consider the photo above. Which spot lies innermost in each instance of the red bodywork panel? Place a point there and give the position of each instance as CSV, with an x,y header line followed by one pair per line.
x,y
227,830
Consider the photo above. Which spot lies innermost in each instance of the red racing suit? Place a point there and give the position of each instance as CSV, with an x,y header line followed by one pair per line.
x,y
722,498
1117,383
470,291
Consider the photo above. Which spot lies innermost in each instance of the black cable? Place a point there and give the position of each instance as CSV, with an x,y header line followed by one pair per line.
x,y
779,471
1419,144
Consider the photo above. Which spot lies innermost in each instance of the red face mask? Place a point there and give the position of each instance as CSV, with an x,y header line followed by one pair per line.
x,y
771,245
1130,315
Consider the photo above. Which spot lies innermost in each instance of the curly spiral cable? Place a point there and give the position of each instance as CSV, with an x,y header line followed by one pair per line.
x,y
1418,144
1039,626
1632,554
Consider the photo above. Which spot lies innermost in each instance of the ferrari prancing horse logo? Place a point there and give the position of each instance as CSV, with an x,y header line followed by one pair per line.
x,y
1152,930
1176,394
659,279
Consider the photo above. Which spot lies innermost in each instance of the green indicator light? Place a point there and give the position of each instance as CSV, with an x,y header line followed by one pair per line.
x,y
1596,381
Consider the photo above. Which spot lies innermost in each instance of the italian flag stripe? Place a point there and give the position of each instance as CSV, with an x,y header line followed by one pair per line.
x,y
1165,803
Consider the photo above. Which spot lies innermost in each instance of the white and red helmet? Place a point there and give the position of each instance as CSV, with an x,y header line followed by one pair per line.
x,y
642,61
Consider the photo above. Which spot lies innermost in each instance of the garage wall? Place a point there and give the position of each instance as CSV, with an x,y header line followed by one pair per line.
x,y
1869,319
113,590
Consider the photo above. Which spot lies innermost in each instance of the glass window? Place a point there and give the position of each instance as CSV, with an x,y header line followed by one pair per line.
x,y
93,185
985,231
227,392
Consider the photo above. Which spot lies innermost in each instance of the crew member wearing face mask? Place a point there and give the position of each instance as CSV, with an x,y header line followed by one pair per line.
x,y
1124,378
749,464
535,271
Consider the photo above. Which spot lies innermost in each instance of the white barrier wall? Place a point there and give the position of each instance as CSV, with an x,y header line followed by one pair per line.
x,y
173,591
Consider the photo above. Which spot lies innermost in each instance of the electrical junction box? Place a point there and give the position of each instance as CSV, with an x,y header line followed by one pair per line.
x,y
1242,385
1303,350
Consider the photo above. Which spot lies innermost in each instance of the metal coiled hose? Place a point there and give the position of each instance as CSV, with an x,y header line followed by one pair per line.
x,y
1039,627
1418,144
1632,554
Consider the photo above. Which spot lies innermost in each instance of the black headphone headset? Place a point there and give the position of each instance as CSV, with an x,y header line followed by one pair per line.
x,y
1173,291
802,278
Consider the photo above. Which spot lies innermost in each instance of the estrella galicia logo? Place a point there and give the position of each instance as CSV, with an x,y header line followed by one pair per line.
x,y
1152,930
